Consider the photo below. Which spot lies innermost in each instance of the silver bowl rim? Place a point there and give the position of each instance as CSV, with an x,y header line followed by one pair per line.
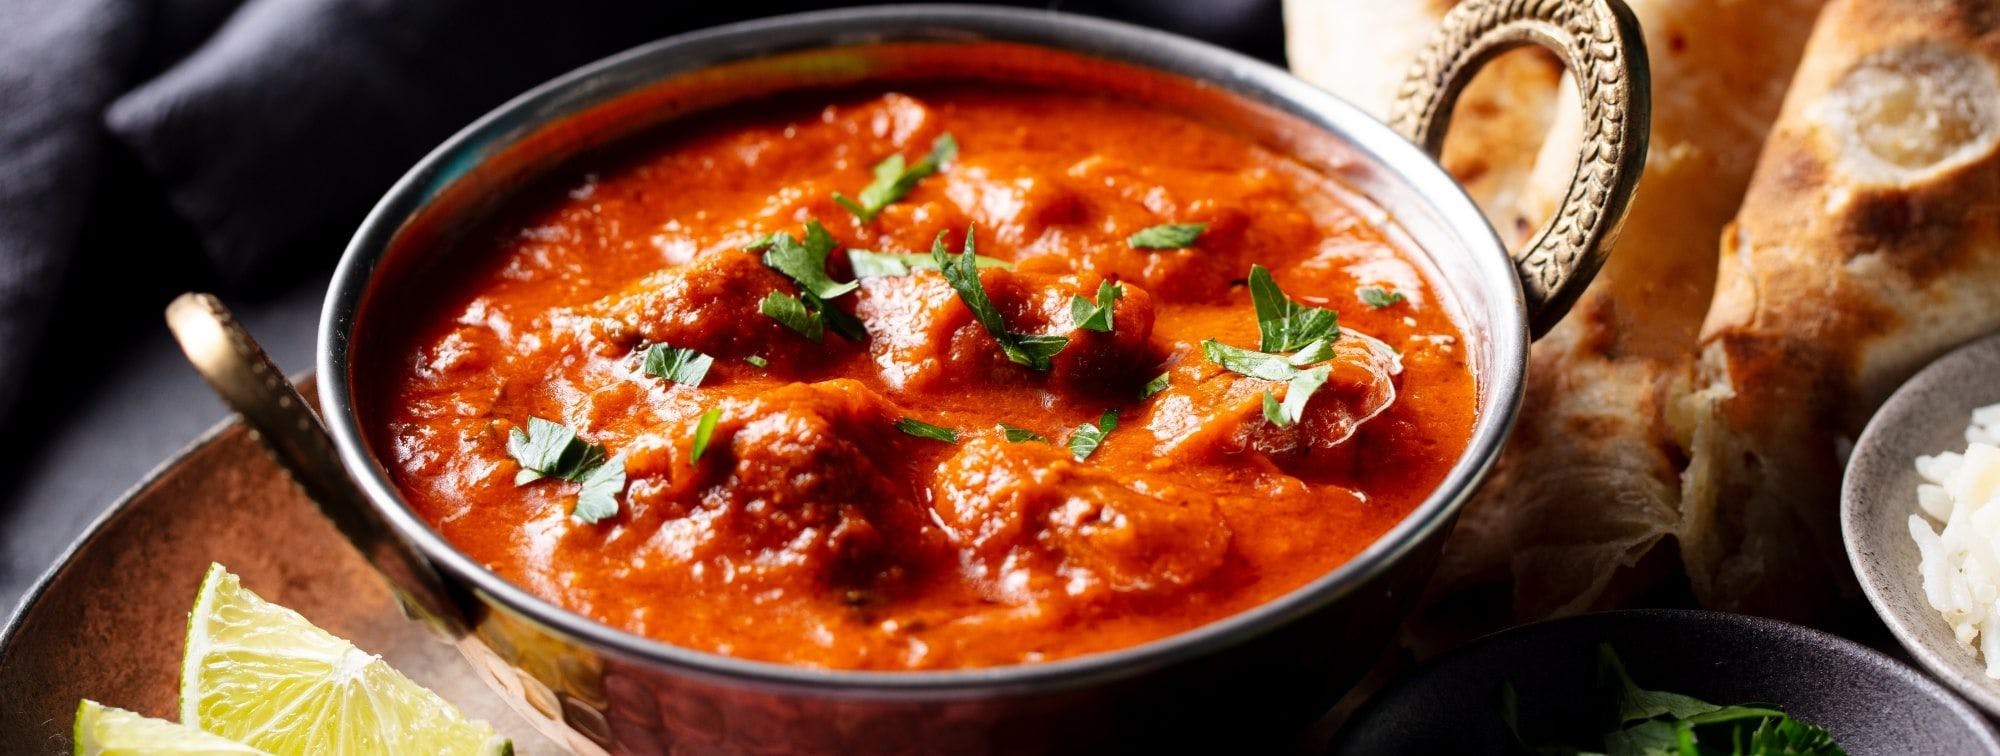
x,y
1233,72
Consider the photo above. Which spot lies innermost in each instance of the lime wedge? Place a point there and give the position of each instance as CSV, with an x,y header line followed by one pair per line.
x,y
110,731
261,674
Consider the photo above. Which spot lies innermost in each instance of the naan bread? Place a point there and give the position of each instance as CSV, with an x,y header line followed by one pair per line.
x,y
1868,244
1587,492
1361,50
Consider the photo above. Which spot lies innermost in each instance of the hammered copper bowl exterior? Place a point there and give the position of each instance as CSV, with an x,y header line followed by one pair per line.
x,y
1251,680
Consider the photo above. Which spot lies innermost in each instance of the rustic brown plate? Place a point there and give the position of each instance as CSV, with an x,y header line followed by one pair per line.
x,y
107,622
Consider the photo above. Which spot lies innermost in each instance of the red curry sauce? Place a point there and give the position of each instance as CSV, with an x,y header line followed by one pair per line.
x,y
812,531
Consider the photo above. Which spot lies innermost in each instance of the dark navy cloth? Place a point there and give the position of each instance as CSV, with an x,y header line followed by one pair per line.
x,y
148,146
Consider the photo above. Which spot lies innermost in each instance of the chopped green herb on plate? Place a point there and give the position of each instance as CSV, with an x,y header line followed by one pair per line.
x,y
1643,722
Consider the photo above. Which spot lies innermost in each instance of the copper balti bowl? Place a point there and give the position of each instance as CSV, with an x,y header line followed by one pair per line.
x,y
1256,675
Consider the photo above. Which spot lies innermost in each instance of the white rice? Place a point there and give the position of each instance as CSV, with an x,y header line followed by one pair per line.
x,y
1961,564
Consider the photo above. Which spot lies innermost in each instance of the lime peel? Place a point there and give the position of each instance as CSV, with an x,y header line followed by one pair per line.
x,y
110,731
262,674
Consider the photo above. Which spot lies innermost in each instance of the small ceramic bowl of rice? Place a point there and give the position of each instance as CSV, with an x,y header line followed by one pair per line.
x,y
1920,513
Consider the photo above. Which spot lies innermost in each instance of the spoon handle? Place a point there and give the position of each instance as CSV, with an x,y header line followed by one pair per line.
x,y
238,370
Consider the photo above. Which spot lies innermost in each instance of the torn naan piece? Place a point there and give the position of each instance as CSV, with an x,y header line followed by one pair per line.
x,y
1361,50
1586,494
1869,243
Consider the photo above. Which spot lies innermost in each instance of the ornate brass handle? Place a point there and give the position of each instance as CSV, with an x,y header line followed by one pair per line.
x,y
236,367
1599,41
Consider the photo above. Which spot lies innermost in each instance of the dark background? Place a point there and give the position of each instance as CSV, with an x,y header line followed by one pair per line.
x,y
159,146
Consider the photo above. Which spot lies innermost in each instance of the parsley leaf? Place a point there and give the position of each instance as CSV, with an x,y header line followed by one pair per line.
x,y
804,262
598,498
838,320
810,316
1034,351
1273,411
550,449
1167,236
889,264
1088,436
788,310
962,273
809,313
1300,384
921,429
1298,391
1235,359
1282,324
1153,387
894,180
1378,298
1096,316
1017,435
1318,351
704,430
757,360
683,366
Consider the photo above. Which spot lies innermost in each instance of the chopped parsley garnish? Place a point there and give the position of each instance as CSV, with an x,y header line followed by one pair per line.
x,y
598,498
1651,722
547,449
1017,435
921,429
810,316
1273,411
1300,384
704,429
1318,351
1298,391
803,262
962,272
1096,316
1088,436
1153,387
1167,236
1270,367
894,179
1282,324
757,360
788,310
683,366
1378,298
810,313
889,264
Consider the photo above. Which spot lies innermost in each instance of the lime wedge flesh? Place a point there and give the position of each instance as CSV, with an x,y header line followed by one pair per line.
x,y
112,731
261,674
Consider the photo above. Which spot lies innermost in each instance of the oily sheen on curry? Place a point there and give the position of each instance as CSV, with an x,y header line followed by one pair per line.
x,y
947,377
